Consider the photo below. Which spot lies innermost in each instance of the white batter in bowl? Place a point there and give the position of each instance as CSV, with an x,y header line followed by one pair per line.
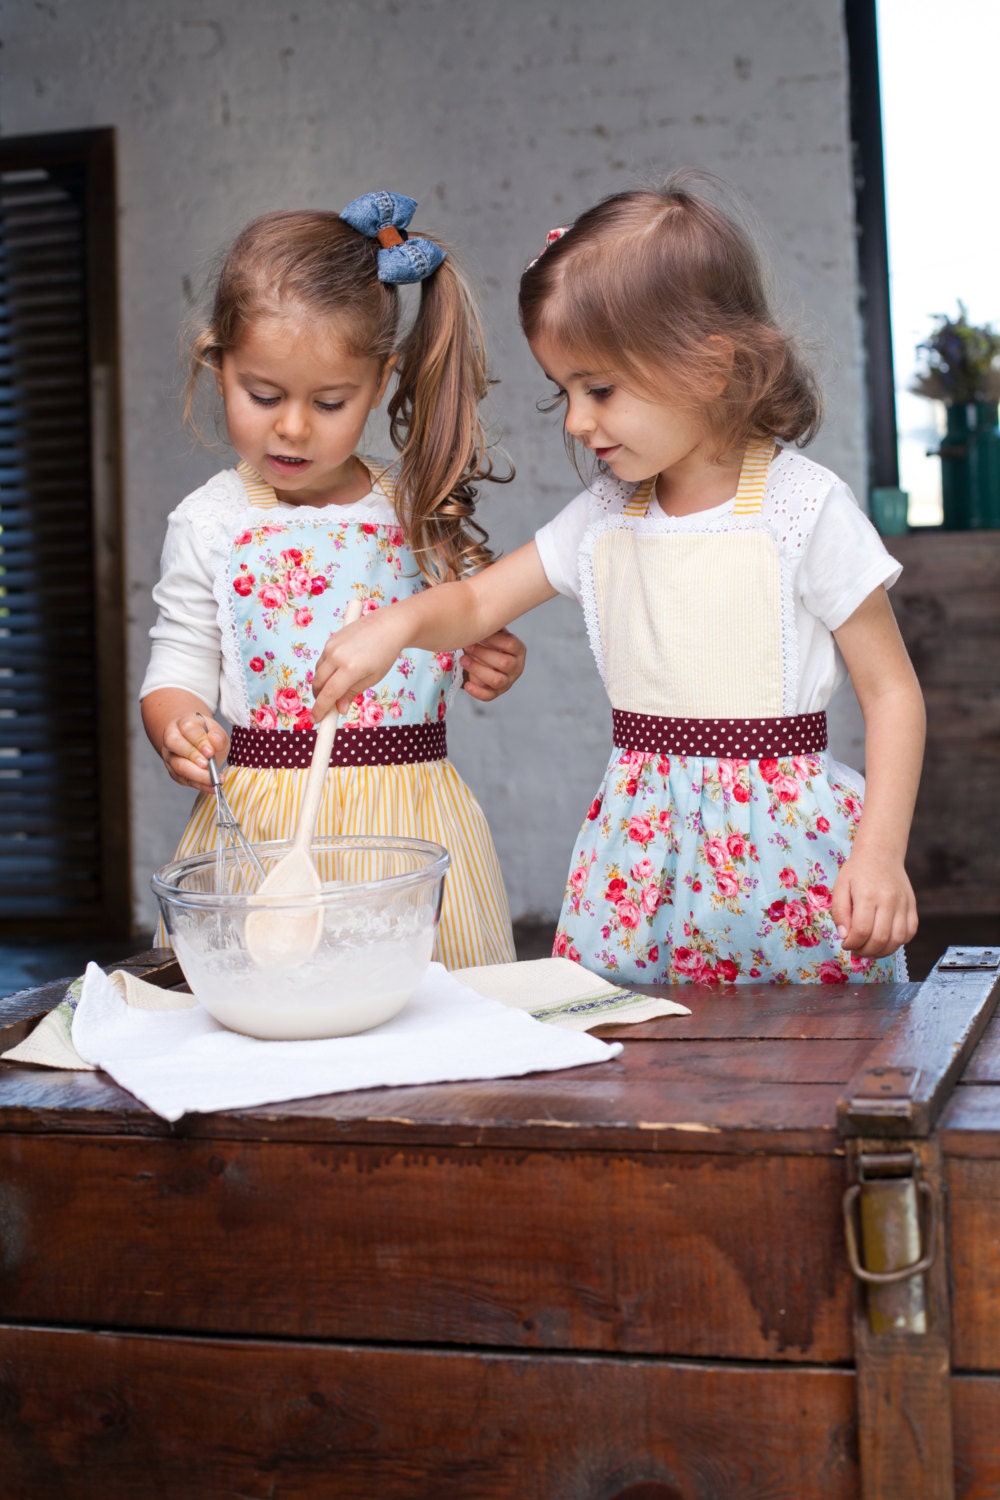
x,y
381,898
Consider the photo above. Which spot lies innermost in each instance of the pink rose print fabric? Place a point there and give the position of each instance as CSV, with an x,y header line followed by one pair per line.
x,y
696,870
291,582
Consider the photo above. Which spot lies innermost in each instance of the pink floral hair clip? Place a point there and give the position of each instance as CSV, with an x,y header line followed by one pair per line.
x,y
550,239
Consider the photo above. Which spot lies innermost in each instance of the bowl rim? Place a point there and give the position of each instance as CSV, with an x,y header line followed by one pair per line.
x,y
435,869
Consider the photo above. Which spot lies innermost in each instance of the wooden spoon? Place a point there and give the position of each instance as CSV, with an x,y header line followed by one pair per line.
x,y
289,937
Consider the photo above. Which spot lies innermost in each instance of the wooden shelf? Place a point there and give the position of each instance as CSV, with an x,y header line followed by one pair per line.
x,y
947,603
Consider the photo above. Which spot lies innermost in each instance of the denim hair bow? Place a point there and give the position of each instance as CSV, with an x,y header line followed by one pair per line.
x,y
384,217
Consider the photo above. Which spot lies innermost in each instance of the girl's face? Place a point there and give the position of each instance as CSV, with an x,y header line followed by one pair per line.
x,y
296,406
635,437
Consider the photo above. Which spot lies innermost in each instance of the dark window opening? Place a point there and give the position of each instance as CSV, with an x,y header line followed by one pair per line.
x,y
64,866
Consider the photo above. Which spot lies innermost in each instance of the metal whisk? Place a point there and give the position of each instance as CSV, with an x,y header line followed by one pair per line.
x,y
245,864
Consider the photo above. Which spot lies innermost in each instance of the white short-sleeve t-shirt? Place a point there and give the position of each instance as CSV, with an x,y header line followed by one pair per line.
x,y
834,556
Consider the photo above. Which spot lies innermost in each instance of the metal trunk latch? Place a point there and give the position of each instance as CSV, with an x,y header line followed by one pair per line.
x,y
970,958
896,1212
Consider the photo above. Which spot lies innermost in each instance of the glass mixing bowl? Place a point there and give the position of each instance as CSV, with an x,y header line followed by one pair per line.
x,y
380,901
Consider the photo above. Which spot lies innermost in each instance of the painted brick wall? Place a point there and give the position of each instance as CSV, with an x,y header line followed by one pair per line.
x,y
503,117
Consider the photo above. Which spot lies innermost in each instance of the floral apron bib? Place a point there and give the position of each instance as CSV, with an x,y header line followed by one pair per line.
x,y
711,849
291,577
284,584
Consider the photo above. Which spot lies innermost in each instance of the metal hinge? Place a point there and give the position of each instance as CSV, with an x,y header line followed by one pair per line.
x,y
970,958
883,1093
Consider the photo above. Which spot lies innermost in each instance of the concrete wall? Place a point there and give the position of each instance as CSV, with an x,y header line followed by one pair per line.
x,y
503,117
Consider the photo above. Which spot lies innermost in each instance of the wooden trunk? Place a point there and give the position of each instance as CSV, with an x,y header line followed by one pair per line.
x,y
626,1280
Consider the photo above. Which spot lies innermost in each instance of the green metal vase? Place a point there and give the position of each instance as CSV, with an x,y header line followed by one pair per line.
x,y
970,467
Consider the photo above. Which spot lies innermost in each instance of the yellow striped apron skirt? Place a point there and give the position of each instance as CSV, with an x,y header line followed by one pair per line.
x,y
425,799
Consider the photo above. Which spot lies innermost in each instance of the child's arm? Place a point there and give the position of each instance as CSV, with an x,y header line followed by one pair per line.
x,y
873,902
492,666
183,733
362,653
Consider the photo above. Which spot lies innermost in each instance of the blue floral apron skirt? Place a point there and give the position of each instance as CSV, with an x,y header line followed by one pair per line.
x,y
710,852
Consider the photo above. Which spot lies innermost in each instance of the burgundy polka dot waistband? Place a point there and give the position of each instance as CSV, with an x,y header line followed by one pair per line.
x,y
292,749
724,739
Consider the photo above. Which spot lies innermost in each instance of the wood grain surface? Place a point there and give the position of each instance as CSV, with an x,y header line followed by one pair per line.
x,y
707,1255
620,1282
908,1076
754,1067
121,1417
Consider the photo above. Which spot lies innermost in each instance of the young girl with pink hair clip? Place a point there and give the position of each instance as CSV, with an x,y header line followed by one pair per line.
x,y
729,584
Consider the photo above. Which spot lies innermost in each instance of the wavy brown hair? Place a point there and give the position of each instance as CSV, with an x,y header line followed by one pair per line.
x,y
312,260
666,288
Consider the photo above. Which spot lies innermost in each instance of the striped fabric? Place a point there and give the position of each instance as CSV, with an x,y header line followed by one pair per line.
x,y
644,582
426,800
753,477
261,494
749,491
641,496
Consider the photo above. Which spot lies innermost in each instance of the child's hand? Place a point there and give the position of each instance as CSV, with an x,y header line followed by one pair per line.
x,y
873,905
355,657
188,743
492,666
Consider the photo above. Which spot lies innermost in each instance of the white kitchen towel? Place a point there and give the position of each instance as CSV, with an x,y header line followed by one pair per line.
x,y
563,993
553,990
50,1043
181,1060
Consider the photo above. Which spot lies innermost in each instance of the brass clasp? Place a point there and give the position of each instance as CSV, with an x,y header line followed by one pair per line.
x,y
897,1215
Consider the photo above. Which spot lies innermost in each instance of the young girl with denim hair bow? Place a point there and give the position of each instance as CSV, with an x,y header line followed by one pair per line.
x,y
729,584
259,564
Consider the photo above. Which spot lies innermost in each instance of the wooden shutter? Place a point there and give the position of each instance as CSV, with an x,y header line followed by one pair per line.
x,y
63,797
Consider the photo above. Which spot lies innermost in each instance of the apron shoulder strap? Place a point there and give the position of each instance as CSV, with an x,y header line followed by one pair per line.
x,y
749,491
641,496
383,477
753,477
259,492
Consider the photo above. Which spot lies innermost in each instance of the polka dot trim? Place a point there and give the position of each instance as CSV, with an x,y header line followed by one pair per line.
x,y
724,739
291,750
